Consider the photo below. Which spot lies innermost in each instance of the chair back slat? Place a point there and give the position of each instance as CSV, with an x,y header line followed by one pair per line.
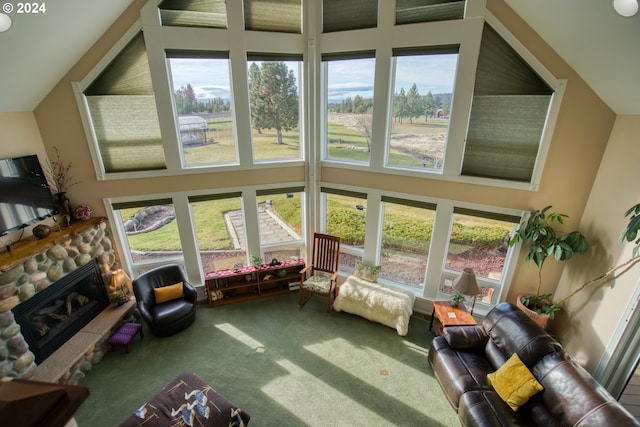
x,y
326,250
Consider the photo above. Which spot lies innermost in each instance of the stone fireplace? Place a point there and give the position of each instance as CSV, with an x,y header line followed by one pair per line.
x,y
51,317
37,267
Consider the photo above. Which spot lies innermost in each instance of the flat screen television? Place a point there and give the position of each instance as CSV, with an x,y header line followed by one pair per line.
x,y
25,197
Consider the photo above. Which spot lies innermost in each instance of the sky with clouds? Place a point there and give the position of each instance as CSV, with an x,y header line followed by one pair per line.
x,y
434,73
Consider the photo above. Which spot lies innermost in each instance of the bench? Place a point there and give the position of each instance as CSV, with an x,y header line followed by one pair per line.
x,y
388,305
125,334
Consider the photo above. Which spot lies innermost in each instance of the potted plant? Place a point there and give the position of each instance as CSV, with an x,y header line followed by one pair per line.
x,y
629,234
544,241
457,298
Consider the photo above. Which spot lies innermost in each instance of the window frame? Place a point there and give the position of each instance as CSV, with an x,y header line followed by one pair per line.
x,y
499,286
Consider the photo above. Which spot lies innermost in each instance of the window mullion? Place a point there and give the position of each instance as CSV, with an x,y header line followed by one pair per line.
x,y
438,250
164,97
188,238
461,105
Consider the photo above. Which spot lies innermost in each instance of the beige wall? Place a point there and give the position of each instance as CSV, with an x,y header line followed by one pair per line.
x,y
593,314
580,138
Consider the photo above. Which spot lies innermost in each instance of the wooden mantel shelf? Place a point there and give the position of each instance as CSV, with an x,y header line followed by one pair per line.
x,y
31,246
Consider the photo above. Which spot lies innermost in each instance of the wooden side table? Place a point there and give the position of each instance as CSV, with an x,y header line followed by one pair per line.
x,y
449,315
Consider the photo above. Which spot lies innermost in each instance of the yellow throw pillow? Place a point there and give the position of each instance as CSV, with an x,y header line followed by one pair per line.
x,y
514,383
167,293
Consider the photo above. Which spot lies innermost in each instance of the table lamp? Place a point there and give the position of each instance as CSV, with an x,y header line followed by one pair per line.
x,y
120,285
467,285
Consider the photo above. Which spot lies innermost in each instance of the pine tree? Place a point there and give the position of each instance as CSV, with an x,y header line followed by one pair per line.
x,y
414,103
430,106
273,97
400,105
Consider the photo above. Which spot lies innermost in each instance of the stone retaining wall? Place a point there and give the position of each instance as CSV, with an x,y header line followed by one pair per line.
x,y
34,274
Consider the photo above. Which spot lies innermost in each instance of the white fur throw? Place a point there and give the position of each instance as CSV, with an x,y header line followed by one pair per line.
x,y
384,304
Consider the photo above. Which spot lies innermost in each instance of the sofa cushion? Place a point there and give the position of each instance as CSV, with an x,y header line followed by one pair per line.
x,y
458,371
486,408
573,396
465,337
514,383
513,332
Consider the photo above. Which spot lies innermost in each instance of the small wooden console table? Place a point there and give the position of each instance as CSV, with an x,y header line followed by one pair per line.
x,y
449,315
247,283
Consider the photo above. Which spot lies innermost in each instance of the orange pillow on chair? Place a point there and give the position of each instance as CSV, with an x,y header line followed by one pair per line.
x,y
168,293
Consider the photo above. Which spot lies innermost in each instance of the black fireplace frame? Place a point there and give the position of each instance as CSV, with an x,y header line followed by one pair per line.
x,y
99,301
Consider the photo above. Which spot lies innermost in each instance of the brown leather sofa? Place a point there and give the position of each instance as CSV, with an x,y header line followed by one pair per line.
x,y
464,355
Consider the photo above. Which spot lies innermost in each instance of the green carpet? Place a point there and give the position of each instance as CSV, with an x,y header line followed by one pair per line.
x,y
284,366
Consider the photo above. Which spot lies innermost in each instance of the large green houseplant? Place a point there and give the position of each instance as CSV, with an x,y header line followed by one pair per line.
x,y
544,241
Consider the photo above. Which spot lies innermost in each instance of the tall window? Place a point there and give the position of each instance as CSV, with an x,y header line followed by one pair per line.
x,y
508,113
423,91
202,92
123,112
406,237
280,222
346,216
479,240
349,98
274,101
220,230
151,232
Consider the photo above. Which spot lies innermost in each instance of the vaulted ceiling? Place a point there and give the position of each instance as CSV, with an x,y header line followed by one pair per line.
x,y
39,49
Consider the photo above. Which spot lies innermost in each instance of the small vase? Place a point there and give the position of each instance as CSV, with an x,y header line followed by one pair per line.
x,y
64,205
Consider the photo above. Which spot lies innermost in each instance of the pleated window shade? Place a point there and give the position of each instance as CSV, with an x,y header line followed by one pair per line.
x,y
342,15
123,112
508,113
194,13
283,16
412,11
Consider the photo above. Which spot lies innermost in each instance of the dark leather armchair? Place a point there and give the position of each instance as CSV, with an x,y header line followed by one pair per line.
x,y
168,317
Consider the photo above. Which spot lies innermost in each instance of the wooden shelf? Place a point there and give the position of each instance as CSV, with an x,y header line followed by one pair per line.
x,y
31,245
250,283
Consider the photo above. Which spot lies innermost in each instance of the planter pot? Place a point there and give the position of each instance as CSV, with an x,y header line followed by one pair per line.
x,y
541,319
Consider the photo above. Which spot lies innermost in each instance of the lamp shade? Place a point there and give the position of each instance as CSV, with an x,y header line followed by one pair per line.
x,y
466,283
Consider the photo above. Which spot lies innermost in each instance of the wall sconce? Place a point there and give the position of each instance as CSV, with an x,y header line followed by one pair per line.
x,y
467,285
626,8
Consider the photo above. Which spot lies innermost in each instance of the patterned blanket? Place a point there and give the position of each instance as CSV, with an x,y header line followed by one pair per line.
x,y
188,401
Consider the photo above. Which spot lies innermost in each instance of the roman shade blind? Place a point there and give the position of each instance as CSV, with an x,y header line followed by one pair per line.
x,y
219,196
412,11
407,202
284,16
342,15
194,13
487,215
508,113
142,203
340,192
123,112
270,191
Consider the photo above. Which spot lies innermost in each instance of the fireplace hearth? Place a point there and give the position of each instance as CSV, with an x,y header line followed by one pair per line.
x,y
54,315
